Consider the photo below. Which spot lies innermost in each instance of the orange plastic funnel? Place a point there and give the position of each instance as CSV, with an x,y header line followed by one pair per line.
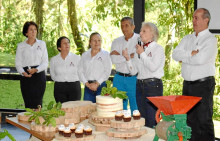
x,y
174,104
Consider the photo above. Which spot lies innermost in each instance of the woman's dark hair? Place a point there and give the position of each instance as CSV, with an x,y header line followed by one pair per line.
x,y
26,26
90,37
59,41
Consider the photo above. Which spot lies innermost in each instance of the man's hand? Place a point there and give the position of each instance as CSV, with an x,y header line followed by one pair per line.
x,y
114,52
132,55
194,52
32,71
139,49
125,54
26,75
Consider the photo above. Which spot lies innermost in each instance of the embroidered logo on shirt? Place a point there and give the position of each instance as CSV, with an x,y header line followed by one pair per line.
x,y
71,64
100,58
38,48
149,54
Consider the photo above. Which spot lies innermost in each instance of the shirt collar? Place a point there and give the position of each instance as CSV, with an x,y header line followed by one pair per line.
x,y
69,54
151,44
201,33
37,41
131,37
91,50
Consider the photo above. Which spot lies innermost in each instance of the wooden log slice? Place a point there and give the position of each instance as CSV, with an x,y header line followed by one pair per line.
x,y
131,129
102,127
23,117
78,110
42,128
95,119
125,134
73,137
60,120
128,125
82,106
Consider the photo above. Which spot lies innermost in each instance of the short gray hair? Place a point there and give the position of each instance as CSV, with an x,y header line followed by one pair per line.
x,y
153,29
128,19
206,14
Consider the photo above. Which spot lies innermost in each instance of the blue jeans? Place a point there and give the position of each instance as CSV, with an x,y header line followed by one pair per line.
x,y
90,95
127,84
146,108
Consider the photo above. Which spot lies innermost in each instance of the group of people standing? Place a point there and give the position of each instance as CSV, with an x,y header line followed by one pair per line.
x,y
139,62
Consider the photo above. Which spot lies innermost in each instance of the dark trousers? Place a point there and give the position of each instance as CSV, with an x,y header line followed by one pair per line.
x,y
199,118
90,95
32,89
67,91
146,108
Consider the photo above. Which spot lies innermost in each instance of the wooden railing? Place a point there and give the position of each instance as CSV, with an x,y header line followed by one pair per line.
x,y
10,73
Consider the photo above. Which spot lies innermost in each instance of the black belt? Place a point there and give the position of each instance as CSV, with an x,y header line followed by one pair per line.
x,y
148,80
199,80
92,81
125,74
26,68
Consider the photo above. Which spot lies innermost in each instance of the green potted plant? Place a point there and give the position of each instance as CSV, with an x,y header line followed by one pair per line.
x,y
49,114
113,91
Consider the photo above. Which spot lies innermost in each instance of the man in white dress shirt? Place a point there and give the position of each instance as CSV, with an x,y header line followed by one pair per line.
x,y
197,54
123,80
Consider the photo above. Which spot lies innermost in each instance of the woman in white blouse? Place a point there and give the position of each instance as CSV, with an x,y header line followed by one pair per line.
x,y
63,70
149,63
31,62
94,68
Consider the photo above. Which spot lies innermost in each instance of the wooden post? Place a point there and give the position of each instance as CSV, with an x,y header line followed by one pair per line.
x,y
139,14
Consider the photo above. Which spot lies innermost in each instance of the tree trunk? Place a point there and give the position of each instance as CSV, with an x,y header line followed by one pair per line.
x,y
168,49
38,11
73,23
60,25
1,27
217,63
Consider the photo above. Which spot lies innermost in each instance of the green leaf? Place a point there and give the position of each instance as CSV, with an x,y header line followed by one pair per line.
x,y
114,90
29,110
37,120
27,114
50,106
53,121
31,118
59,105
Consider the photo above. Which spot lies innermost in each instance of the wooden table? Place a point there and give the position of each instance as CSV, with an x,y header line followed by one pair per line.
x,y
49,136
26,127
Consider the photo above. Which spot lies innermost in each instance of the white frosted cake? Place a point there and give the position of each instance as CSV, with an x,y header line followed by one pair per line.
x,y
107,105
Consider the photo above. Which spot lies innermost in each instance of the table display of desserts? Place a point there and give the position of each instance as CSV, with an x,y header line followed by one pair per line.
x,y
73,133
106,107
125,126
106,116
